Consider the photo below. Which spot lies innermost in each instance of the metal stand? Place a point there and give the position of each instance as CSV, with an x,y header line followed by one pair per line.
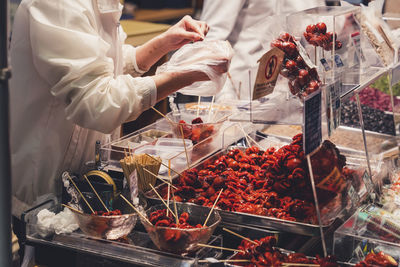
x,y
5,172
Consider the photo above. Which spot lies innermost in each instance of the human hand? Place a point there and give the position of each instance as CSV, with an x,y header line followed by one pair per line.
x,y
185,31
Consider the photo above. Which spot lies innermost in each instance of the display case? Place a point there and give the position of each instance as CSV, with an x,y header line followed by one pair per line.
x,y
370,229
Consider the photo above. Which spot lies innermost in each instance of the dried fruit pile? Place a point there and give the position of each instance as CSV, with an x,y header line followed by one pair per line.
x,y
160,218
264,253
374,119
262,182
377,260
316,35
110,213
303,80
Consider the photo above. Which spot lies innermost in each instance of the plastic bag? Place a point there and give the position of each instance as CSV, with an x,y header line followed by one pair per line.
x,y
201,56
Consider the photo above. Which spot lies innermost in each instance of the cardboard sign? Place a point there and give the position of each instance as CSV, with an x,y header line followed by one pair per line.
x,y
268,70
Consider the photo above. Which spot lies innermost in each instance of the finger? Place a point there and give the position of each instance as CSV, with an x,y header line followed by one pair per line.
x,y
204,28
191,36
207,29
193,25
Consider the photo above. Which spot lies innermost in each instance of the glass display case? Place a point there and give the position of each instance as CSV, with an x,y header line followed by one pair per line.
x,y
370,229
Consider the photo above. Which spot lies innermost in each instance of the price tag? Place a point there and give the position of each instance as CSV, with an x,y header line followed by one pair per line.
x,y
338,61
325,63
358,253
354,197
312,134
368,182
333,105
270,65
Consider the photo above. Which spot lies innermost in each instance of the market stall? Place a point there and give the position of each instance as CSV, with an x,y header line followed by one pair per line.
x,y
300,175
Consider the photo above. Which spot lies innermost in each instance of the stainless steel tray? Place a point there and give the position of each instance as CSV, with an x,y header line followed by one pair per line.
x,y
247,219
137,248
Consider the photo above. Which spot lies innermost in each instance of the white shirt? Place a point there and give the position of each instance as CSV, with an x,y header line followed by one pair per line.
x,y
232,20
71,84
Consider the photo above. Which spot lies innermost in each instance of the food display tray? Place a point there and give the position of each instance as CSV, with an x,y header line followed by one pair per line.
x,y
137,248
247,219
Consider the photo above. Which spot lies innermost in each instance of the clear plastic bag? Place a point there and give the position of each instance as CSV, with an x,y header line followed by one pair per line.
x,y
205,57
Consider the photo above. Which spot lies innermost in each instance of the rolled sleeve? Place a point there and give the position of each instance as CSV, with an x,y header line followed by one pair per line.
x,y
130,65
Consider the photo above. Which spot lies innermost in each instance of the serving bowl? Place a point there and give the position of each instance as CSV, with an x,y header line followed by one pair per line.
x,y
108,227
178,240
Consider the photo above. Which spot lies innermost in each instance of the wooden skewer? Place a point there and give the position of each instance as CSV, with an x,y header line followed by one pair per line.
x,y
299,264
161,179
135,209
165,165
71,208
159,113
215,202
222,248
79,191
248,136
184,145
210,109
91,186
168,193
173,195
162,200
198,106
238,260
243,237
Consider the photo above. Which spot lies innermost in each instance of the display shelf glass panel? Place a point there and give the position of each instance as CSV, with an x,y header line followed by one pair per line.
x,y
370,229
348,56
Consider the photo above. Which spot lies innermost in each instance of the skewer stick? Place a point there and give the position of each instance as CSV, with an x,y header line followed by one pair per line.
x,y
97,195
173,195
210,108
135,209
71,208
198,106
165,165
238,260
215,202
222,248
299,264
162,200
168,193
161,179
79,191
248,136
162,115
236,234
233,85
184,145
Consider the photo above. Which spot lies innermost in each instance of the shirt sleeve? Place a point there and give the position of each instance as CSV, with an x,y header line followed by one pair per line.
x,y
221,16
72,57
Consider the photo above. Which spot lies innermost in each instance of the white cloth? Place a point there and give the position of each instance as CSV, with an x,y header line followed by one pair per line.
x,y
72,82
232,20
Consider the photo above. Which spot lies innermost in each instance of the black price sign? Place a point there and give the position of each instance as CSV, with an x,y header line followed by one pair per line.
x,y
312,134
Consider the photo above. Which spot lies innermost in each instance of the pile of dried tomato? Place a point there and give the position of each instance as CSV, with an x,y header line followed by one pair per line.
x,y
264,253
377,259
272,183
110,213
